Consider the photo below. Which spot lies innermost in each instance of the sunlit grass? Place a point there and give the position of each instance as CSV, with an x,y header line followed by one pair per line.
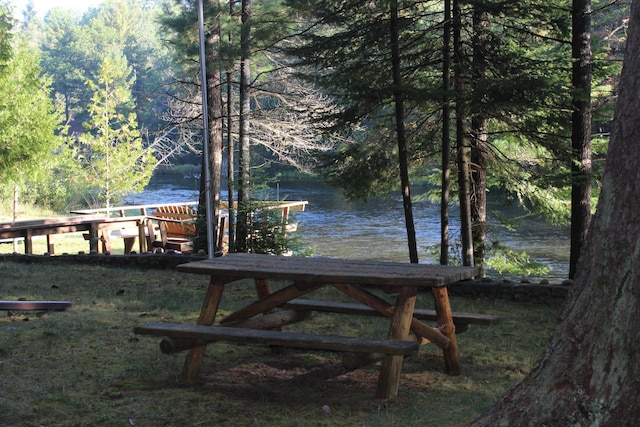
x,y
25,211
69,243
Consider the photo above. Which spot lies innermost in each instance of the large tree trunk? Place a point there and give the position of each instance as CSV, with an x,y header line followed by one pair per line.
x,y
590,370
242,230
462,140
401,135
581,130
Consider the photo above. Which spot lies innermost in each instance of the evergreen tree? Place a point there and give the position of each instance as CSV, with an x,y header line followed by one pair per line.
x,y
183,22
73,47
28,120
62,60
588,373
512,96
112,152
350,50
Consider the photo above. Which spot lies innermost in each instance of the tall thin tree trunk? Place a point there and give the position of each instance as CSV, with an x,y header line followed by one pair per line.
x,y
446,136
581,130
479,139
400,133
214,122
242,233
230,164
214,103
230,152
462,142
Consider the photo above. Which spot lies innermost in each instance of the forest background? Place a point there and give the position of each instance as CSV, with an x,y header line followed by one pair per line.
x,y
371,96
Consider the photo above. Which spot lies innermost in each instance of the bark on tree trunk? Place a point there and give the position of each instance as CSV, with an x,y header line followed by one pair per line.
x,y
446,135
242,230
230,166
462,142
479,189
590,370
400,133
214,115
479,139
230,152
581,130
214,103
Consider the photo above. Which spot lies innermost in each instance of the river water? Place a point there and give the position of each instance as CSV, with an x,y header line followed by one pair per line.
x,y
334,227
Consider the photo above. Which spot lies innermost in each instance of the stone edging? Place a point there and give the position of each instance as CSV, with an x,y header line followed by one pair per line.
x,y
546,293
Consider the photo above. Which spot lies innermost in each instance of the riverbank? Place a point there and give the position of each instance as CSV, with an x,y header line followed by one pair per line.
x,y
542,291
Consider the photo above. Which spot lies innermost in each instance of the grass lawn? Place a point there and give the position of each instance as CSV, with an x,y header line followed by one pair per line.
x,y
71,243
85,367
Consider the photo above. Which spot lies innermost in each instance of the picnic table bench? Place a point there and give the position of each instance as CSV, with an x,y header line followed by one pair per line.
x,y
261,320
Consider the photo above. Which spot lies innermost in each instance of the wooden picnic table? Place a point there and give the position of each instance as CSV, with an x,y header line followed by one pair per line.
x,y
97,226
260,321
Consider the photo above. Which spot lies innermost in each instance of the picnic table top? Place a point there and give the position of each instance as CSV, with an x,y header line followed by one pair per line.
x,y
330,270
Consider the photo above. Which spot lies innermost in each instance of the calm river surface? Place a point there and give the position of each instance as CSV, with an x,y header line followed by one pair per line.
x,y
334,227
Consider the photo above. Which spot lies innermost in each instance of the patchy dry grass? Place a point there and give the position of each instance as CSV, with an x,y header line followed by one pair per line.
x,y
85,367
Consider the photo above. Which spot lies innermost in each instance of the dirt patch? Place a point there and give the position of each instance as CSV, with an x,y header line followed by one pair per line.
x,y
322,380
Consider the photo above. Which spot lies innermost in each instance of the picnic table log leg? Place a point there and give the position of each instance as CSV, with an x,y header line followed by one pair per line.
x,y
150,235
448,328
399,330
28,243
262,288
50,245
207,316
128,244
94,239
383,307
106,241
142,236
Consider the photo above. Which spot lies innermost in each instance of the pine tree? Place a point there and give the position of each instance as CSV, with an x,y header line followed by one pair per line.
x,y
588,372
112,151
28,119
